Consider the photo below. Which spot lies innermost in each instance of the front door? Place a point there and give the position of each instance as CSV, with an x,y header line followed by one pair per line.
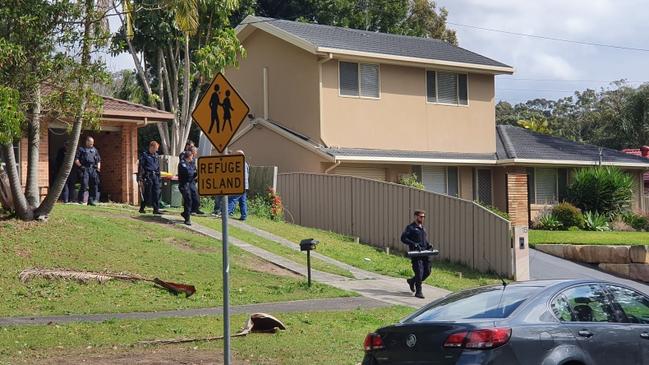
x,y
598,327
484,187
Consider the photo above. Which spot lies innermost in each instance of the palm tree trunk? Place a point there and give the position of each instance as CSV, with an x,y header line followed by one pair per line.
x,y
33,149
23,211
53,194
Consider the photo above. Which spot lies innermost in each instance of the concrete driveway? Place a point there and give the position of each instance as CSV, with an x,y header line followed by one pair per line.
x,y
544,266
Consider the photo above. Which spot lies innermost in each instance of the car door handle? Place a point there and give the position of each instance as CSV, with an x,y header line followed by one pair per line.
x,y
585,333
645,335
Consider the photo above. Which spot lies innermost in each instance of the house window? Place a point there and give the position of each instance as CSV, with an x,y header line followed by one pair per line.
x,y
447,88
546,186
359,79
442,180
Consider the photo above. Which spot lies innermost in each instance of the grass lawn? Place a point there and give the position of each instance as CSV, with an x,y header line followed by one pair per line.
x,y
342,248
268,245
310,338
119,240
588,237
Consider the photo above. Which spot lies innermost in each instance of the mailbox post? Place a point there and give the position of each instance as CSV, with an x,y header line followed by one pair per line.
x,y
308,245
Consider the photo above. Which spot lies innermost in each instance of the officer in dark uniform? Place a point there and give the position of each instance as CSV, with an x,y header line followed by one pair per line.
x,y
89,163
417,240
187,183
149,176
190,147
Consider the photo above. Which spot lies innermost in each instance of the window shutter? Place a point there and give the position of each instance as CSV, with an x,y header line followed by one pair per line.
x,y
369,80
546,186
463,88
431,94
434,179
447,88
348,78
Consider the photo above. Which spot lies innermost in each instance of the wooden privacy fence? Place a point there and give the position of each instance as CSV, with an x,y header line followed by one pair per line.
x,y
377,212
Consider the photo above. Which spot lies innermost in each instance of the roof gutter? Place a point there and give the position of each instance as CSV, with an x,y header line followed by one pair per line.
x,y
525,161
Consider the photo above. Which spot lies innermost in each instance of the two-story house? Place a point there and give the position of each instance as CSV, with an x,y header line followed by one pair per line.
x,y
334,100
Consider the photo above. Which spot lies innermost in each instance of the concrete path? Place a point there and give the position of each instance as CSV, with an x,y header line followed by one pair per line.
x,y
316,305
544,266
371,285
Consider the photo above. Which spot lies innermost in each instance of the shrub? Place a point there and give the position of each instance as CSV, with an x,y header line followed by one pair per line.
x,y
603,189
497,211
549,222
568,215
267,205
594,221
619,225
638,222
412,181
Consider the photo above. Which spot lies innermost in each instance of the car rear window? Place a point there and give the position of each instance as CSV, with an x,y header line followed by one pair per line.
x,y
489,302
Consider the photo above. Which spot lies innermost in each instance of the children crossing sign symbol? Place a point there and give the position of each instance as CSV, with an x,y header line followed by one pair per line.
x,y
220,112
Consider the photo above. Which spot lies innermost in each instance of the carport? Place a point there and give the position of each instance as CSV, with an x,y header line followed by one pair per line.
x,y
116,141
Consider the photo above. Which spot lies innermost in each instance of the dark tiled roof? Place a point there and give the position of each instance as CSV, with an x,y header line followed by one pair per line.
x,y
520,143
387,154
380,43
121,108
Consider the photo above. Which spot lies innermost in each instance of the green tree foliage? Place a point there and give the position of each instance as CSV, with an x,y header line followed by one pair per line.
x,y
419,18
535,124
11,115
616,117
603,189
47,43
182,45
412,181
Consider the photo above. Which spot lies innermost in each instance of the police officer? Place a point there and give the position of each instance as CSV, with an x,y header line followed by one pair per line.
x,y
417,240
187,183
149,176
89,163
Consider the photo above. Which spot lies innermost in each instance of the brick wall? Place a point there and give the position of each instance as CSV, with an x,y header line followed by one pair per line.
x,y
517,203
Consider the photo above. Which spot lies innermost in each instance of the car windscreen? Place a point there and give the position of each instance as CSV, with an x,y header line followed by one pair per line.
x,y
487,302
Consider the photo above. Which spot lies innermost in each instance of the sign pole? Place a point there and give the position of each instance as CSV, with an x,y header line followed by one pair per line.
x,y
226,282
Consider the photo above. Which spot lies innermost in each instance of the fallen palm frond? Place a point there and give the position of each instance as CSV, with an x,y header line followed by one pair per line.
x,y
89,276
257,323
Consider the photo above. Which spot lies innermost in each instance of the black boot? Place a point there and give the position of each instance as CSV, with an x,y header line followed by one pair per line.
x,y
419,294
411,284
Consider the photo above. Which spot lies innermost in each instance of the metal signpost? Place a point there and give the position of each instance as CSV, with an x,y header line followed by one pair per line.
x,y
219,114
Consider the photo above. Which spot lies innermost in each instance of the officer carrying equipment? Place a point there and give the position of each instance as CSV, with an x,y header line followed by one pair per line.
x,y
417,240
89,163
149,175
187,183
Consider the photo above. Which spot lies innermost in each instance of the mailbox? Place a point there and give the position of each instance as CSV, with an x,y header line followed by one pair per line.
x,y
308,244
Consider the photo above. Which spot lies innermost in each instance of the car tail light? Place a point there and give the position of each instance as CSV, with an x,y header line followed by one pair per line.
x,y
487,338
455,340
373,341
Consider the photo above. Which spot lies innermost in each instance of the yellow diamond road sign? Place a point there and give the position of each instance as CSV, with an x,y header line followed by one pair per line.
x,y
220,112
221,175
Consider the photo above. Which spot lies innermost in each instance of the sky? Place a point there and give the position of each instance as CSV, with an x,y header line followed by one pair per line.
x,y
544,68
548,69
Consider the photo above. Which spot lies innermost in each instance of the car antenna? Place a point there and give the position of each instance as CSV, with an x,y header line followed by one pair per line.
x,y
497,273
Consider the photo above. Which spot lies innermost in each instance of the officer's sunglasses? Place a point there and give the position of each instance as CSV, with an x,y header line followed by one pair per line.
x,y
421,215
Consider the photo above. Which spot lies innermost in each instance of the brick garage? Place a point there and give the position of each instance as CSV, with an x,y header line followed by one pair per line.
x,y
116,141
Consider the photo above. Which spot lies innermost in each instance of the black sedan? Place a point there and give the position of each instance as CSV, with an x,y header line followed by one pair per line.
x,y
554,322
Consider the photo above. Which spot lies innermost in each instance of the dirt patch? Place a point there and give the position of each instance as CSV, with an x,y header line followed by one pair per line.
x,y
184,245
167,355
253,263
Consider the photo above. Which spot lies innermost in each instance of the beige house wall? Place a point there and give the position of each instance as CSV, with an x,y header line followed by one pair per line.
x,y
499,183
392,172
466,182
402,119
264,147
293,79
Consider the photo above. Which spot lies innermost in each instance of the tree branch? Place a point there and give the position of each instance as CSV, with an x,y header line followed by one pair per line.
x,y
33,146
20,202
